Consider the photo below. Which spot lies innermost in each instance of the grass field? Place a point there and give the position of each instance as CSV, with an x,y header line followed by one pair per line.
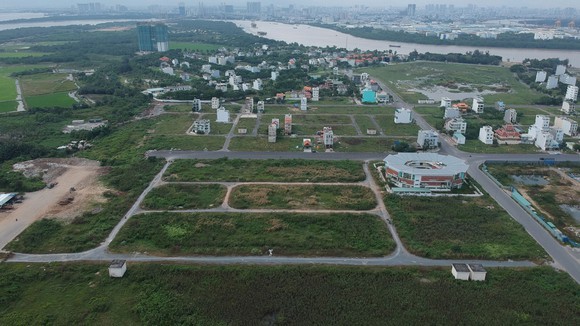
x,y
403,77
184,196
49,100
387,123
265,170
303,197
185,142
8,106
47,83
193,46
459,227
476,146
21,54
261,144
379,145
253,234
157,294
365,123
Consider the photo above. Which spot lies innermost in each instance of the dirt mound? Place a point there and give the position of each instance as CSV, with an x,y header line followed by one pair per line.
x,y
51,168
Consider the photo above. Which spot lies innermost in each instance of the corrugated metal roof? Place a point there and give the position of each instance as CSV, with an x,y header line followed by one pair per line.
x,y
4,198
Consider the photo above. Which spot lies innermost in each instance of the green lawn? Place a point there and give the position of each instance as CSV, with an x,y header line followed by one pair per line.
x,y
260,143
248,124
253,234
379,145
265,170
307,197
387,123
49,100
184,196
405,76
193,46
365,123
185,142
173,124
162,294
460,227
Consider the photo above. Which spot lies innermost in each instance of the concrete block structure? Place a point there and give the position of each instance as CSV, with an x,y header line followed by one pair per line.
x,y
541,76
549,140
328,137
460,271
288,124
486,135
458,138
567,79
215,103
500,106
552,82
196,107
117,268
303,104
568,126
428,139
425,170
446,102
560,70
315,94
260,106
403,115
478,105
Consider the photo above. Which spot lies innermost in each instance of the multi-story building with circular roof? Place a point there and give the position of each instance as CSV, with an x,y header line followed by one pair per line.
x,y
425,170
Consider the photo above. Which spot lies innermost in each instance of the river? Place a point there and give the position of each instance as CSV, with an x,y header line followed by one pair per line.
x,y
316,36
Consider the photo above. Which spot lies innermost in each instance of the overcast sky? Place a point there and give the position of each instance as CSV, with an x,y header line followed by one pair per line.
x,y
376,3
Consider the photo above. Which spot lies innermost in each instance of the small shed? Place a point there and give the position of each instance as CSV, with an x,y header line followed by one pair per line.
x,y
477,272
117,268
460,271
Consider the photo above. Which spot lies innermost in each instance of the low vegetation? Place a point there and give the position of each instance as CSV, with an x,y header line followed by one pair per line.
x,y
253,234
154,294
460,227
303,197
184,196
265,170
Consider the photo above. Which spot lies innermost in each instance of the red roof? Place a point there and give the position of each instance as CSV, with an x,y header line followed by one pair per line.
x,y
164,59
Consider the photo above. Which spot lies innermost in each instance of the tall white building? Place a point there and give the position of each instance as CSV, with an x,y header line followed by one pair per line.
x,y
303,103
572,93
257,85
260,106
328,137
446,102
486,135
567,79
568,107
542,124
456,124
510,116
541,76
552,82
315,94
223,115
560,70
549,140
478,105
403,115
428,139
215,103
568,126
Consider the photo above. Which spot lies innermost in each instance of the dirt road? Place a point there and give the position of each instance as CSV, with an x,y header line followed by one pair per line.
x,y
37,204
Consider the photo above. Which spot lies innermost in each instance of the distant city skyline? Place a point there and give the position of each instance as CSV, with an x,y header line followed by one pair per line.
x,y
345,3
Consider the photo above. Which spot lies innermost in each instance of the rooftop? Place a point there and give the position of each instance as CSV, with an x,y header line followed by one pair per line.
x,y
426,163
117,263
477,268
5,198
461,268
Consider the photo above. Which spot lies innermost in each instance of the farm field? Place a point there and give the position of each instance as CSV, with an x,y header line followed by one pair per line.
x,y
460,227
253,234
8,106
184,196
307,197
264,171
456,78
159,294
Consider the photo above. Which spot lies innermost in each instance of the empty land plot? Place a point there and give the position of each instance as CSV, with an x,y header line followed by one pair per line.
x,y
264,171
247,123
47,83
184,142
425,75
433,115
320,119
218,128
261,144
460,227
376,145
253,234
303,197
476,146
364,123
8,106
184,196
49,100
173,124
387,123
